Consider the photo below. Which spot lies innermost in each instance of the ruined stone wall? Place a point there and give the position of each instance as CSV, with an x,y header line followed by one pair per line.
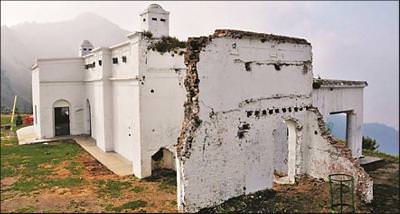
x,y
323,155
245,92
235,104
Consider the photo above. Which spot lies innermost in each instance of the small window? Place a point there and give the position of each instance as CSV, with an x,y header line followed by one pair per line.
x,y
100,62
124,59
144,20
84,49
154,19
115,60
93,64
90,49
163,20
86,66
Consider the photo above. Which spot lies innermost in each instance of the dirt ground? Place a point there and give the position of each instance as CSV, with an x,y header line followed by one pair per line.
x,y
87,186
312,196
386,187
61,177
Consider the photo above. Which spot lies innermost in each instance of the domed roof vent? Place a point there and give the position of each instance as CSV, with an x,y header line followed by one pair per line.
x,y
86,43
154,6
85,48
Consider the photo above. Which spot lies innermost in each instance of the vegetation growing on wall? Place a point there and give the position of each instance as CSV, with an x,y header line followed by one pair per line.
x,y
317,83
166,44
147,34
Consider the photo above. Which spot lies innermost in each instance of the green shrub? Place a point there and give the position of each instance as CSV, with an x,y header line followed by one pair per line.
x,y
18,121
369,144
147,34
130,205
166,44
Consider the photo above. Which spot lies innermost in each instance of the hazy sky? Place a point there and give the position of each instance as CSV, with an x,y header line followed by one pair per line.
x,y
350,40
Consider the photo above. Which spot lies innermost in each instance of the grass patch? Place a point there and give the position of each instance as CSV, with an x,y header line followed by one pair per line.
x,y
168,184
7,172
23,185
66,182
28,209
34,163
5,119
75,168
137,189
26,159
111,187
130,205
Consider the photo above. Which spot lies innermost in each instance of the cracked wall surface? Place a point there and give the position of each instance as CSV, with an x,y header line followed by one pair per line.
x,y
225,147
243,93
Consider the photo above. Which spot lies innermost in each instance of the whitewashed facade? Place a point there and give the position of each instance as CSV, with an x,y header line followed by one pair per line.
x,y
128,98
232,113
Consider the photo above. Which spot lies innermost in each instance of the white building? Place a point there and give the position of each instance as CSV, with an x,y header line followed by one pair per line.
x,y
245,111
127,97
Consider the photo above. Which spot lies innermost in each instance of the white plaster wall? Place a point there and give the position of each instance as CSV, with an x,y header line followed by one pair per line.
x,y
50,93
100,115
168,61
126,123
222,165
95,73
339,99
130,68
36,101
61,70
230,65
162,110
59,79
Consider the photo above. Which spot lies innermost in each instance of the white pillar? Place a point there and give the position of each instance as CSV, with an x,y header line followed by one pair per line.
x,y
354,134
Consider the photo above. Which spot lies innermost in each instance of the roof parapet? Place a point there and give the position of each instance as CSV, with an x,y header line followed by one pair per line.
x,y
237,34
333,83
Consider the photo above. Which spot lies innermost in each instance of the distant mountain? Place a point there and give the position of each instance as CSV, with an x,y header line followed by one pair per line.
x,y
23,43
387,137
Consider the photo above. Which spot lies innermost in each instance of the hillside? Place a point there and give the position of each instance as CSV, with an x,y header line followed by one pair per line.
x,y
23,43
387,137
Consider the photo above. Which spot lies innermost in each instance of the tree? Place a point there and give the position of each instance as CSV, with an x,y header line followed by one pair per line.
x,y
18,121
369,143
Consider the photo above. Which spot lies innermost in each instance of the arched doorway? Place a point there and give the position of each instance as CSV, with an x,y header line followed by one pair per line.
x,y
292,141
88,118
61,118
285,140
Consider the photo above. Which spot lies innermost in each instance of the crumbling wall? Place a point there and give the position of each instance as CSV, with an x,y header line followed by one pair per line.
x,y
326,156
235,101
331,98
240,88
162,95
